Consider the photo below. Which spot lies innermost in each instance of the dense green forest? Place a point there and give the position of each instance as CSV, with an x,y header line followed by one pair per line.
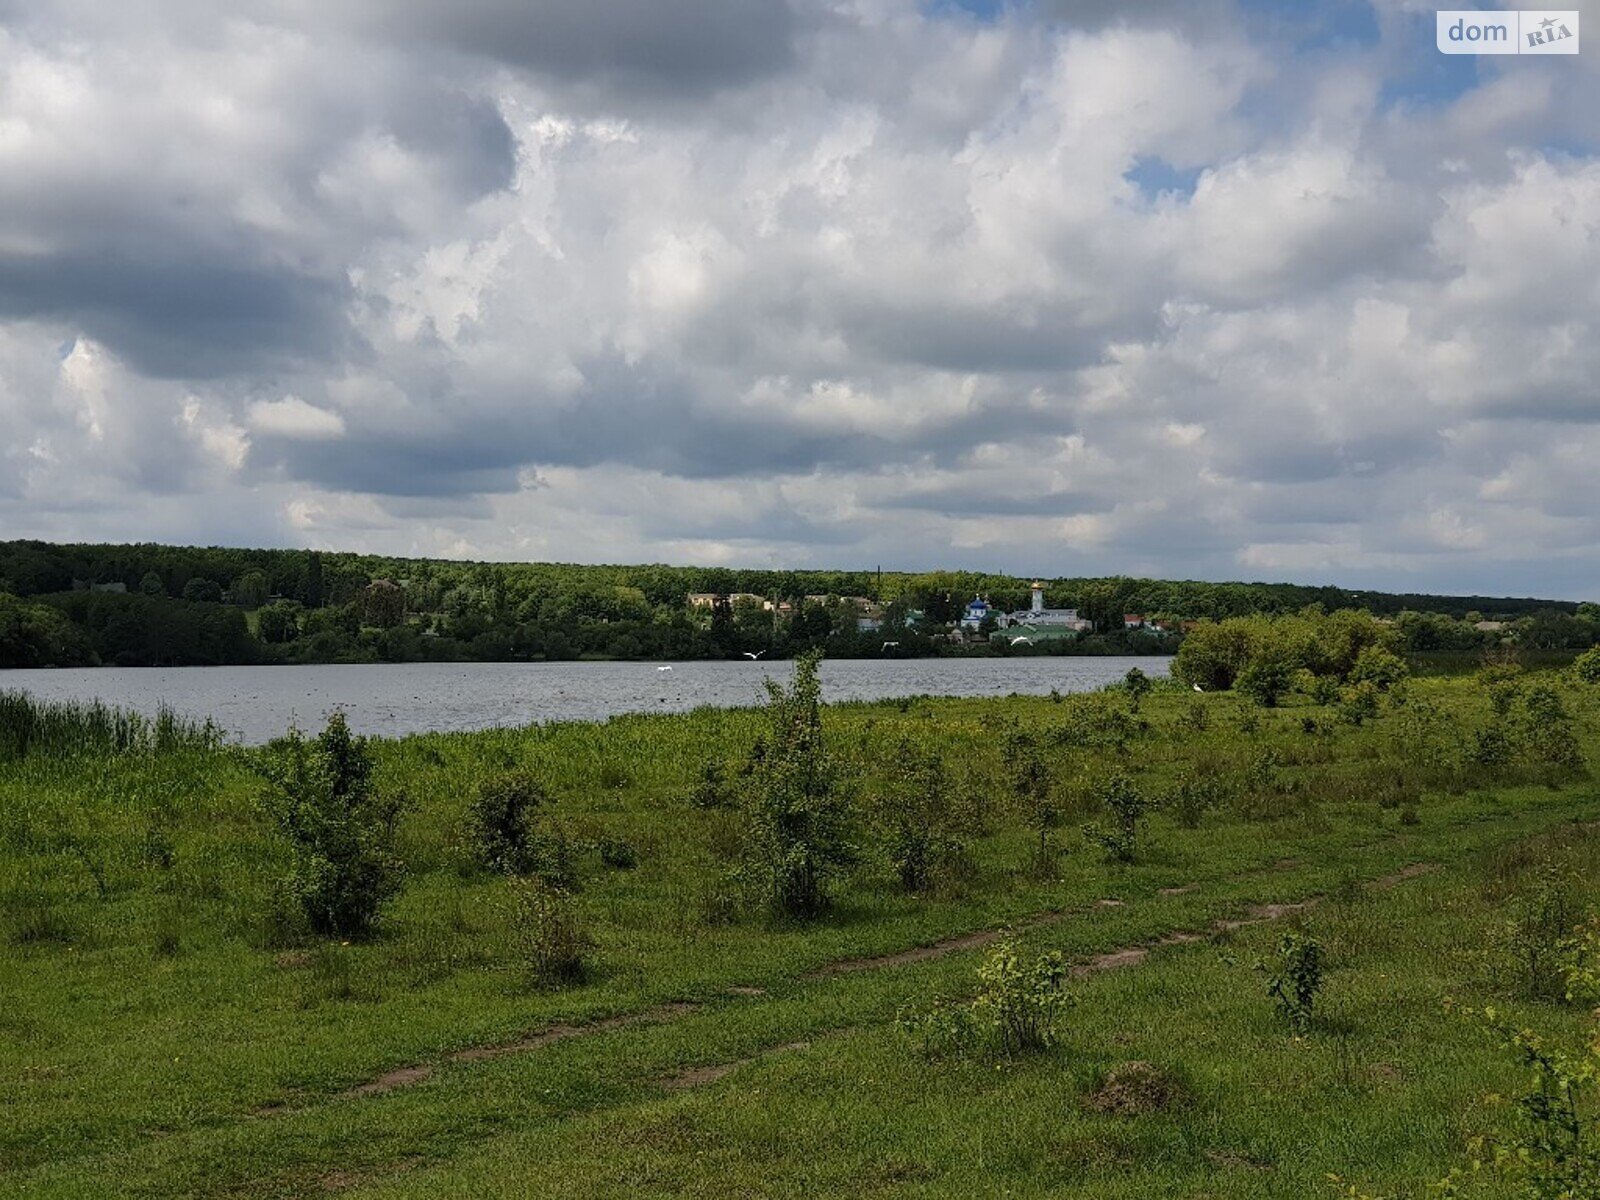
x,y
137,605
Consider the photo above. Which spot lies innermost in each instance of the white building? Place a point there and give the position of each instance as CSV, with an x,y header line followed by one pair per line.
x,y
1040,617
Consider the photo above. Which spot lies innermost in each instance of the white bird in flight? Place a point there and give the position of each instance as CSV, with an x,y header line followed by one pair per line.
x,y
755,655
886,645
663,668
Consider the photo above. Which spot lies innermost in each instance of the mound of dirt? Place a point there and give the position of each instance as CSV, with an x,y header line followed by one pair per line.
x,y
1138,1088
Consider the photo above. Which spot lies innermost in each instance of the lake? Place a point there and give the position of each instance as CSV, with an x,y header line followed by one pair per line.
x,y
257,703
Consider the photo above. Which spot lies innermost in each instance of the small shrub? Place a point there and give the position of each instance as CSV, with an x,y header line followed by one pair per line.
x,y
1322,690
1502,684
1587,665
612,777
1033,792
1379,667
1580,963
1295,978
156,848
37,922
1531,943
1126,806
1096,722
718,901
1016,1011
1359,703
343,867
501,829
1268,676
1553,1151
1194,796
711,788
1491,747
617,853
1546,731
1196,716
797,834
333,978
167,932
1137,1089
551,944
1137,685
916,821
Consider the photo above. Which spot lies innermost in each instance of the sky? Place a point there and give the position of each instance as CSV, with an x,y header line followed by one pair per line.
x,y
1225,289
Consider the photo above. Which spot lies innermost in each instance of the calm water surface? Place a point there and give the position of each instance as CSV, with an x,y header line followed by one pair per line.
x,y
257,703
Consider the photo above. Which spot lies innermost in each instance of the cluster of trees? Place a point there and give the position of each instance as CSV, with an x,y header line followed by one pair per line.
x,y
36,635
1267,657
153,604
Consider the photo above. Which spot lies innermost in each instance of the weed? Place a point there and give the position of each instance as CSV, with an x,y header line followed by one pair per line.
x,y
550,941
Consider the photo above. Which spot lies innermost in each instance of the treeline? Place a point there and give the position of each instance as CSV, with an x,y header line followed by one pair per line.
x,y
65,605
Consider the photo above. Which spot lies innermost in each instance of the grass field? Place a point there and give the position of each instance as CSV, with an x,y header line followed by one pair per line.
x,y
167,1031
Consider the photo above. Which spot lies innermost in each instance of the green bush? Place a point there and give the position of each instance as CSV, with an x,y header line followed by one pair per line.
x,y
1379,667
1017,1009
1587,665
711,789
501,824
797,820
1553,1150
1268,676
550,941
1137,685
918,826
617,853
1033,792
1193,797
1533,942
1359,703
1546,731
1295,978
1126,806
341,835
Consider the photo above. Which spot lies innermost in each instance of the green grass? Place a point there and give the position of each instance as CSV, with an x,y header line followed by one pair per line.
x,y
163,1036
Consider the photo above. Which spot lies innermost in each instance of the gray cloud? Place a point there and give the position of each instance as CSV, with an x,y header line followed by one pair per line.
x,y
692,46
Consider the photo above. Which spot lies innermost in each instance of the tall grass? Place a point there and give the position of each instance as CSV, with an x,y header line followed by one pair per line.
x,y
65,728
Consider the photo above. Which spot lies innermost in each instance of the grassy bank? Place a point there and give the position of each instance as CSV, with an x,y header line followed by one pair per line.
x,y
170,1029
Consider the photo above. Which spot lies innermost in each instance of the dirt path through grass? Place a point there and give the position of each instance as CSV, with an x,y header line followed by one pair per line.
x,y
1130,955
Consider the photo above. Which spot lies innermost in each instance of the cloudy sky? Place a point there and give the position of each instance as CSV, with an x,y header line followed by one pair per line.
x,y
1203,288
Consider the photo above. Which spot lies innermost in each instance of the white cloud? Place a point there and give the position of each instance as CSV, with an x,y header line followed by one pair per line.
x,y
291,417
